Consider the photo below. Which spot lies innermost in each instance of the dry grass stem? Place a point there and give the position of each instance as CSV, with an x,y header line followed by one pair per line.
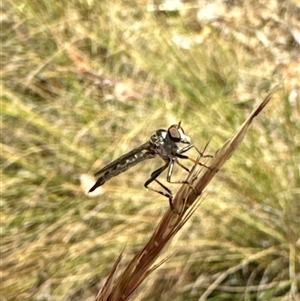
x,y
185,201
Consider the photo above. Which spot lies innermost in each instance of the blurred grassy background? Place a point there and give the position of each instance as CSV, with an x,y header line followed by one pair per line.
x,y
85,81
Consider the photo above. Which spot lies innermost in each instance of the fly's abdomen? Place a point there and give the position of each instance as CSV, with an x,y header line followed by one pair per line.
x,y
120,165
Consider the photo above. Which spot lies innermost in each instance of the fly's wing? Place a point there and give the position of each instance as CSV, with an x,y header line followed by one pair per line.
x,y
124,162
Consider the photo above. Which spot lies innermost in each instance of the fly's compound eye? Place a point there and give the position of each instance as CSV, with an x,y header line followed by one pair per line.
x,y
174,133
177,134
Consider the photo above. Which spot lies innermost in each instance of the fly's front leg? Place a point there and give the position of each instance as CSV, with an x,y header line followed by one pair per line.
x,y
185,149
202,153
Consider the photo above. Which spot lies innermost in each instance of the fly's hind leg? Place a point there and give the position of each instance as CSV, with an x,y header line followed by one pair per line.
x,y
167,193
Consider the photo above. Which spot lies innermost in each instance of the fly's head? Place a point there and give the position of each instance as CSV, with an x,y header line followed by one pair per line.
x,y
176,134
168,140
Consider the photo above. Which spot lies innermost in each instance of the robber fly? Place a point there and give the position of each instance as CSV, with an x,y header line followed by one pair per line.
x,y
163,143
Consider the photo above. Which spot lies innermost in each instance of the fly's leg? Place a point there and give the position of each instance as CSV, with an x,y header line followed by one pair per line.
x,y
182,166
168,192
169,195
193,160
185,149
170,171
202,153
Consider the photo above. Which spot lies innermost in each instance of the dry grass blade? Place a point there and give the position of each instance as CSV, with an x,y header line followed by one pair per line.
x,y
142,263
105,292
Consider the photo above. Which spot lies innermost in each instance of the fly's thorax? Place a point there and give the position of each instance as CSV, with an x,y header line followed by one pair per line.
x,y
162,145
158,138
